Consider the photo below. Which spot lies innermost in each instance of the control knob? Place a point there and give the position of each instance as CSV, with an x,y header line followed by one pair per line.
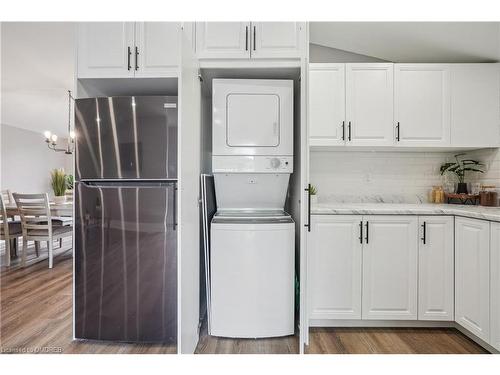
x,y
275,163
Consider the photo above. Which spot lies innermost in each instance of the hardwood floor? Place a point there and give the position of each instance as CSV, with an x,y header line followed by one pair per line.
x,y
36,311
390,341
220,345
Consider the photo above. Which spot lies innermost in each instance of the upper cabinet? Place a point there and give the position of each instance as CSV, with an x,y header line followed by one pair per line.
x,y
327,104
157,45
105,49
369,104
223,40
351,104
127,49
475,112
404,105
422,104
245,40
277,39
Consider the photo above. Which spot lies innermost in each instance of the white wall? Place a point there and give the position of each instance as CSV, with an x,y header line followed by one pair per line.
x,y
375,176
322,54
26,161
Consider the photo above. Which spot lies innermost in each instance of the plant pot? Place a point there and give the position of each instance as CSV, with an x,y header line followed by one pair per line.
x,y
462,188
59,199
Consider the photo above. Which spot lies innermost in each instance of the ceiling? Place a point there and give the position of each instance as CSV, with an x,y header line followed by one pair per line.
x,y
37,69
413,41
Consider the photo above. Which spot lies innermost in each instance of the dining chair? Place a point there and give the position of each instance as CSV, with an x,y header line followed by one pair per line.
x,y
10,230
8,199
36,223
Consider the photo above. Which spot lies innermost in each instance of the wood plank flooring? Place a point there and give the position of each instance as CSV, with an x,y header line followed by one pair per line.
x,y
36,311
220,345
390,341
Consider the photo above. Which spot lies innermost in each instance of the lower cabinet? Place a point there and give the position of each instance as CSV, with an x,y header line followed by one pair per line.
x,y
472,276
334,267
436,268
390,268
495,285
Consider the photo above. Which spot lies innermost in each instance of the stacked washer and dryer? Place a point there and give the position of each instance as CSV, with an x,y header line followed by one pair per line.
x,y
252,259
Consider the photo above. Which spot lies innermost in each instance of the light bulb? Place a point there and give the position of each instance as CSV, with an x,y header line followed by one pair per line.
x,y
72,134
47,134
54,138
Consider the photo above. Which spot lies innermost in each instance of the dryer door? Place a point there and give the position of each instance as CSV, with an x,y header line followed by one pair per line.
x,y
253,120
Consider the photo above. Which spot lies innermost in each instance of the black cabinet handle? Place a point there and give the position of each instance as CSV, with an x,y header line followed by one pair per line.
x,y
254,38
128,58
136,58
343,130
367,232
361,232
308,225
397,132
246,38
424,234
349,131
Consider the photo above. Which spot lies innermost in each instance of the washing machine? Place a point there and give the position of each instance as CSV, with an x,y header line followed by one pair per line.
x,y
252,252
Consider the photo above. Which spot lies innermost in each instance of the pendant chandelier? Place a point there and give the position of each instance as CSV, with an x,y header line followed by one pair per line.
x,y
51,139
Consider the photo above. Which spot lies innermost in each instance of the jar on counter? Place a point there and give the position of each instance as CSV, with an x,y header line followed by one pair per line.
x,y
488,196
436,195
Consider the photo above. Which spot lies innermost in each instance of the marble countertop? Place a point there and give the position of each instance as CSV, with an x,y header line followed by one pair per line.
x,y
476,212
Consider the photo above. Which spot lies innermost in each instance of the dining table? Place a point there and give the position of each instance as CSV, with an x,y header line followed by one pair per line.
x,y
56,209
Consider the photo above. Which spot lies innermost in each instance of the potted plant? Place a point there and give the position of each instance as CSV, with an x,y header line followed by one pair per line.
x,y
59,184
70,183
313,191
458,168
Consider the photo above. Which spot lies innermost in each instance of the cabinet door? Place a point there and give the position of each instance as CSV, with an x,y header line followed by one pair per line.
x,y
369,104
334,267
277,39
223,40
435,268
475,94
390,268
105,49
422,104
472,275
495,285
326,104
157,46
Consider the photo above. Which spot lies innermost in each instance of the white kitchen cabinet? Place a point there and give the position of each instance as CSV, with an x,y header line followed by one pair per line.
x,y
369,104
156,48
277,39
390,268
105,49
128,49
326,104
334,267
495,285
475,112
223,40
472,275
422,104
436,268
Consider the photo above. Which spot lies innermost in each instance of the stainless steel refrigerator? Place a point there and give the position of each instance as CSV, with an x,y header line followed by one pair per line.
x,y
125,219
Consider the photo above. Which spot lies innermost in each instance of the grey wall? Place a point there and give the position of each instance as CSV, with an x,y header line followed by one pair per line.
x,y
26,161
322,54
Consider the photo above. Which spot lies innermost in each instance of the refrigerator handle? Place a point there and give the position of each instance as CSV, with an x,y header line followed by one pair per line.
x,y
175,208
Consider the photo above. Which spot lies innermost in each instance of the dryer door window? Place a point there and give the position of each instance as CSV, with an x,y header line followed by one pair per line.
x,y
253,120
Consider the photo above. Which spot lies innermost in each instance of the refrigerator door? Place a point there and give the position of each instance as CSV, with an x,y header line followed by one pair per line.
x,y
126,138
126,261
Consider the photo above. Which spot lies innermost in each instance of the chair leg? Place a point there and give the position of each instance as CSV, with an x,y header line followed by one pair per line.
x,y
7,252
60,242
37,248
23,257
51,253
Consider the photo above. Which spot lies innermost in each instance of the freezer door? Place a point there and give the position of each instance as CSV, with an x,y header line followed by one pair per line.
x,y
126,262
126,137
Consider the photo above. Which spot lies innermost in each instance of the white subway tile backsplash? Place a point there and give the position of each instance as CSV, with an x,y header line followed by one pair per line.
x,y
393,177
